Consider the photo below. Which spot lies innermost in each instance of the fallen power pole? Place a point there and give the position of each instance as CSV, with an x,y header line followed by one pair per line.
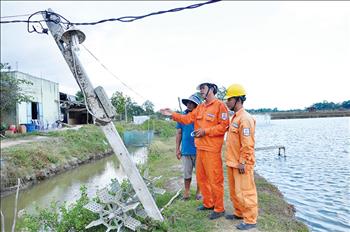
x,y
98,104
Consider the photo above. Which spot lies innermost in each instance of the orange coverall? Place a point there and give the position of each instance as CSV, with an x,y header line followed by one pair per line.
x,y
240,149
214,119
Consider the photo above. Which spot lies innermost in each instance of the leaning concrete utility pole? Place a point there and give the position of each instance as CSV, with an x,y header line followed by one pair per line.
x,y
98,104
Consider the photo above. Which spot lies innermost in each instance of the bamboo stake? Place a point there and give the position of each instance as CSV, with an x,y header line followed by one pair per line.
x,y
2,222
16,201
171,200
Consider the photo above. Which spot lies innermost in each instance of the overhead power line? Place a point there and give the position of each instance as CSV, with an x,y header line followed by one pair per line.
x,y
14,16
125,19
110,72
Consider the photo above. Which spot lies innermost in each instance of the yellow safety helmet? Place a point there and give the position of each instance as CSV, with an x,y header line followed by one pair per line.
x,y
235,90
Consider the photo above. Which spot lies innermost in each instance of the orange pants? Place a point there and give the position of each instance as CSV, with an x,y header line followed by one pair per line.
x,y
243,194
210,179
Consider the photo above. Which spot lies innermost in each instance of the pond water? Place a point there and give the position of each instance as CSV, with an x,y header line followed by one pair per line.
x,y
315,175
65,187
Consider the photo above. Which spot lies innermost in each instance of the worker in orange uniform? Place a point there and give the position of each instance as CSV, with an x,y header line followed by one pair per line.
x,y
240,160
211,121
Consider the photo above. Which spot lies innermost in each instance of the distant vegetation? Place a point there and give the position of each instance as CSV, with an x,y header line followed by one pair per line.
x,y
125,106
124,103
331,105
325,105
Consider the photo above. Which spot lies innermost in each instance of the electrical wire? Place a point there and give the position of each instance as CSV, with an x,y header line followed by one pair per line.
x,y
127,19
110,72
82,90
63,20
14,16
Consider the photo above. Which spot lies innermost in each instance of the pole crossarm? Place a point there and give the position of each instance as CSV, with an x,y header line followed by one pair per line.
x,y
99,106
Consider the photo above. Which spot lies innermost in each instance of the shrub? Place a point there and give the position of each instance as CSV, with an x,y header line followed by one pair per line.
x,y
61,218
162,128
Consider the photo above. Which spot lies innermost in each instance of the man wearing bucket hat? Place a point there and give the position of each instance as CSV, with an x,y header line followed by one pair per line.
x,y
210,123
185,148
240,160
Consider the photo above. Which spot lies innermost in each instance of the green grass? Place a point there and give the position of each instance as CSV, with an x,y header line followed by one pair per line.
x,y
25,159
31,158
63,147
275,214
182,216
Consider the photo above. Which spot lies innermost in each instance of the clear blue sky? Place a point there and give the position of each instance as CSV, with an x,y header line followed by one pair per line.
x,y
287,54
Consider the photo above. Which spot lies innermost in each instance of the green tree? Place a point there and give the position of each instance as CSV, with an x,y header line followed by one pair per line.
x,y
10,89
325,105
79,96
124,103
135,110
118,100
346,104
221,93
148,106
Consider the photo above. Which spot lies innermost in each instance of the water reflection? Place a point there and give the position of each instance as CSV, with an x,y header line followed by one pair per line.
x,y
65,187
315,174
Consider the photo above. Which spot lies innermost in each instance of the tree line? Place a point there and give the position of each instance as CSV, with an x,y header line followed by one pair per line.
x,y
325,105
319,106
125,106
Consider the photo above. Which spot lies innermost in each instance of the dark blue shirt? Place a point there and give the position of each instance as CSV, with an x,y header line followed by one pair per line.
x,y
187,142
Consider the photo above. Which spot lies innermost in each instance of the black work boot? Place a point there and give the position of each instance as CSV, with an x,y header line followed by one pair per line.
x,y
232,217
202,207
215,215
245,226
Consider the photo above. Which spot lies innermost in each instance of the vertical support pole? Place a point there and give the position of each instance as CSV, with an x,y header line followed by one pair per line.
x,y
126,114
68,49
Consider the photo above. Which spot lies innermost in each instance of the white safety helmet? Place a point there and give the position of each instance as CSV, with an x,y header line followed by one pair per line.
x,y
210,85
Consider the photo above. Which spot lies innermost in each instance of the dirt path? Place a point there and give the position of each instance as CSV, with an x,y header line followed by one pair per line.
x,y
13,142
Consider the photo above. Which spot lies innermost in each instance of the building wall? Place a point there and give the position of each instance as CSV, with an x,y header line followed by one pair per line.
x,y
140,119
45,93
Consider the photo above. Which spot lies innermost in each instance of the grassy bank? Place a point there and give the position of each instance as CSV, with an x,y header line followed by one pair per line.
x,y
275,214
38,159
76,146
63,149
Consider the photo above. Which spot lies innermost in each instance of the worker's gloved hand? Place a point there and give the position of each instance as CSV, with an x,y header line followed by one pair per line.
x,y
199,133
241,168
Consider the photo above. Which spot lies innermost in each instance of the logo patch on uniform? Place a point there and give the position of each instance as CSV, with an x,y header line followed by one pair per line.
x,y
235,125
224,116
246,131
211,115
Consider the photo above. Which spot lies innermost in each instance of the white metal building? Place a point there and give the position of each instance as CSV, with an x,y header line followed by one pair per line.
x,y
44,107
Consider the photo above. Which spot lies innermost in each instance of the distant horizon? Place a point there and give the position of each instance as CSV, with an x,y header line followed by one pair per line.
x,y
254,109
306,107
